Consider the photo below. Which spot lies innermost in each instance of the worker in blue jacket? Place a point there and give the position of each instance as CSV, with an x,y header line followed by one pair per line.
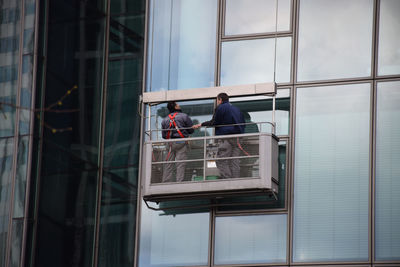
x,y
227,114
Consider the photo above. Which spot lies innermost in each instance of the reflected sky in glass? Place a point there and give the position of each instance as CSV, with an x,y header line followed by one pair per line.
x,y
331,173
173,240
250,239
387,182
252,61
335,39
256,16
389,38
181,44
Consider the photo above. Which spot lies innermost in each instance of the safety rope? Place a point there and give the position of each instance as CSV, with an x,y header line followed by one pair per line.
x,y
241,148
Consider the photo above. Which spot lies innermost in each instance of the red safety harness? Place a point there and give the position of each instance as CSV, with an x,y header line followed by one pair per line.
x,y
172,122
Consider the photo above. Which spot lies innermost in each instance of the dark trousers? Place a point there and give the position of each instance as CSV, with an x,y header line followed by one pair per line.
x,y
228,168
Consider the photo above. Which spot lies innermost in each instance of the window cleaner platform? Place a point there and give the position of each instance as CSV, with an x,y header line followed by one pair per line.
x,y
205,172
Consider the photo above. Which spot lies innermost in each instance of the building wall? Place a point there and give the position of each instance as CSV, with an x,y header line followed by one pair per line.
x,y
69,185
84,190
338,64
17,39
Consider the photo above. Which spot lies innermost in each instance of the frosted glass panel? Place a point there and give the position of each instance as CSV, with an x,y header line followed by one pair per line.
x,y
331,176
387,181
335,39
173,240
250,239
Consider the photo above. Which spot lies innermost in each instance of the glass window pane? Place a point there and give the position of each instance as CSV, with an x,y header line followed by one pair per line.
x,y
126,36
69,157
67,211
335,39
16,244
127,6
6,158
7,110
387,208
122,131
20,181
252,61
389,38
26,94
76,131
250,239
118,218
182,44
257,16
331,177
29,33
10,32
173,240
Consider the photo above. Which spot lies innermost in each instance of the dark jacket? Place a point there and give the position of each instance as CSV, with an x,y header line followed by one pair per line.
x,y
182,120
226,113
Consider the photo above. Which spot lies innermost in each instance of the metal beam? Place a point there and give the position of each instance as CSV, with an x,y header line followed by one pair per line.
x,y
210,92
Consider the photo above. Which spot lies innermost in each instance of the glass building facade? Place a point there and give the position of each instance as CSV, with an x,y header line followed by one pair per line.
x,y
72,129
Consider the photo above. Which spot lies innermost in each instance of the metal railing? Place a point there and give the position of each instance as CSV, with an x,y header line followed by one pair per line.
x,y
206,157
250,127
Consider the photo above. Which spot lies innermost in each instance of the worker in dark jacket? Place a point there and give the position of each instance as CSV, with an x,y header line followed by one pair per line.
x,y
227,114
177,125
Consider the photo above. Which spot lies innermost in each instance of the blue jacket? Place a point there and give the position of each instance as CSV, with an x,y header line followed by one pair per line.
x,y
182,120
226,113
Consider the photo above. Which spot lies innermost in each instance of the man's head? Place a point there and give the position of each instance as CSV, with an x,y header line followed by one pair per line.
x,y
173,106
221,98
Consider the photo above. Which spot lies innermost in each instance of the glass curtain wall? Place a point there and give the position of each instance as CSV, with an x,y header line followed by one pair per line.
x,y
17,31
257,42
87,179
122,134
68,177
180,46
10,34
343,55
